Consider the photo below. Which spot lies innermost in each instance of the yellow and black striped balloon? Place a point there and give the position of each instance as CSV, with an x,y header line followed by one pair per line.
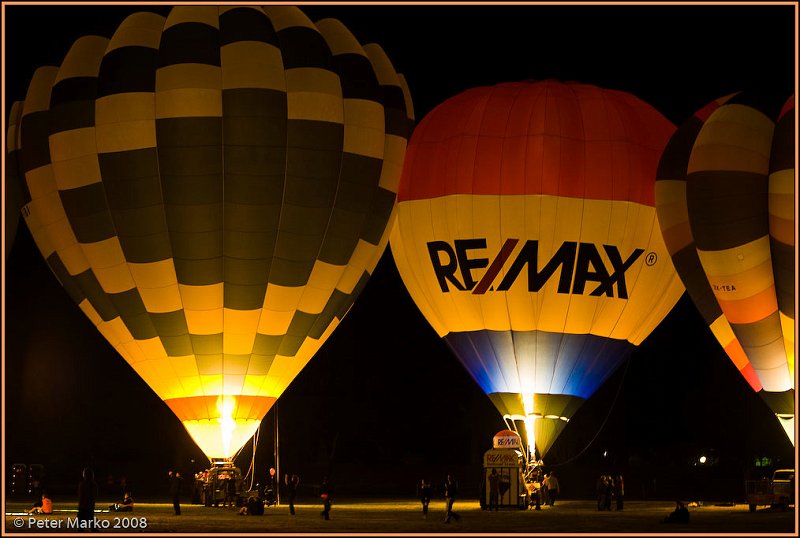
x,y
725,198
214,189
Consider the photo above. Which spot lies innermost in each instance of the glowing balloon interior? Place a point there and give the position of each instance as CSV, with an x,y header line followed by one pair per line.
x,y
214,189
527,236
726,205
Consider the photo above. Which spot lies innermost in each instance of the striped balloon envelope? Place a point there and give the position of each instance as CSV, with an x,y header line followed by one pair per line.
x,y
14,197
214,189
725,197
526,235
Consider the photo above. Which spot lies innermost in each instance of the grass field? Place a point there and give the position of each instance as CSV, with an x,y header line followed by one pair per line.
x,y
405,517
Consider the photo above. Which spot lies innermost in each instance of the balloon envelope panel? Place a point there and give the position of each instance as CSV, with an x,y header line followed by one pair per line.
x,y
214,189
526,235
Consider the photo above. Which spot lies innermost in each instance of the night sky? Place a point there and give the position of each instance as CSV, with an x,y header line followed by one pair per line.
x,y
385,396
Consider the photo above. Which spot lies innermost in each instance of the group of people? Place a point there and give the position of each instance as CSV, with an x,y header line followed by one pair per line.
x,y
88,490
450,487
610,488
543,488
545,491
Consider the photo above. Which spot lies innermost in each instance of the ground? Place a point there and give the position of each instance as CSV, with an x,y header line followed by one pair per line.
x,y
405,517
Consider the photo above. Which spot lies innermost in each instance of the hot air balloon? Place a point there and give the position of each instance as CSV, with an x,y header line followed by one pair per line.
x,y
526,235
214,189
725,197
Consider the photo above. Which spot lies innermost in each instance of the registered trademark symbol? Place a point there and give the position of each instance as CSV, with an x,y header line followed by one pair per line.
x,y
651,259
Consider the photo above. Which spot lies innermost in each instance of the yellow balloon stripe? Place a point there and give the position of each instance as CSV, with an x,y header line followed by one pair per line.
x,y
431,235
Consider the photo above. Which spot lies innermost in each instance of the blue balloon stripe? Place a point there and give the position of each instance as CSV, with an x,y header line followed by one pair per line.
x,y
573,364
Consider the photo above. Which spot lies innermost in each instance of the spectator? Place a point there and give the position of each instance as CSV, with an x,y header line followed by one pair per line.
x,y
326,494
291,489
175,491
45,506
679,515
450,493
619,490
87,497
125,506
424,496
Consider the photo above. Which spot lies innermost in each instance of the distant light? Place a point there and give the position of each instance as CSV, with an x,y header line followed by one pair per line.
x,y
703,459
605,453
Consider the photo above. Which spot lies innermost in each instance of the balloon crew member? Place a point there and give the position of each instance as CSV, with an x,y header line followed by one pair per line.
x,y
494,490
552,487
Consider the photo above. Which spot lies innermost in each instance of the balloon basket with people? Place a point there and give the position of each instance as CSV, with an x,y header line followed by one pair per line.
x,y
504,472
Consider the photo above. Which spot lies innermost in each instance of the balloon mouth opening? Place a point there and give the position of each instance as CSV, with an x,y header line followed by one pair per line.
x,y
528,433
221,439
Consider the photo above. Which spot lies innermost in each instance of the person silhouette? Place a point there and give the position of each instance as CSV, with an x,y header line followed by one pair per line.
x,y
494,490
87,497
450,493
424,496
291,489
326,494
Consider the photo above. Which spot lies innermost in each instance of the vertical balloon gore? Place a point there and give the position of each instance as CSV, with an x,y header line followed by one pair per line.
x,y
725,196
214,189
526,235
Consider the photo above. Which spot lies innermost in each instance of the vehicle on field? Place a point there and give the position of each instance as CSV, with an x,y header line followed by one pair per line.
x,y
777,492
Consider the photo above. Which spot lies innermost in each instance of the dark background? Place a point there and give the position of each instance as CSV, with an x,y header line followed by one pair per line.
x,y
384,402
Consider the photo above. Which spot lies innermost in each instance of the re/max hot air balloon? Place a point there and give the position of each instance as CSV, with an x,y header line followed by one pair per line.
x,y
725,196
214,189
526,235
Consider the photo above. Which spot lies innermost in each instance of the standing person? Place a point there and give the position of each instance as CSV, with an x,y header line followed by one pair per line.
x,y
291,489
552,487
424,496
326,494
538,481
619,490
545,494
230,491
494,490
601,491
175,491
450,493
87,497
609,492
